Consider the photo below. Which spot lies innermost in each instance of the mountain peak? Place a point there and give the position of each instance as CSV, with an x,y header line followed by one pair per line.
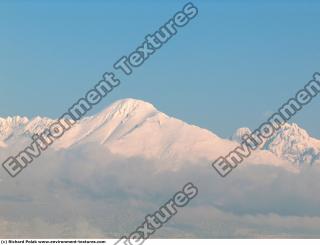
x,y
294,130
133,127
240,132
129,105
15,120
294,144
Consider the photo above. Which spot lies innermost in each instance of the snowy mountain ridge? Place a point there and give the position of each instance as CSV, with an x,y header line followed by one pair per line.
x,y
132,127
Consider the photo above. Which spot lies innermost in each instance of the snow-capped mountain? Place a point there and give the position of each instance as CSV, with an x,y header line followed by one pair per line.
x,y
15,130
294,144
290,142
132,127
240,132
136,128
10,125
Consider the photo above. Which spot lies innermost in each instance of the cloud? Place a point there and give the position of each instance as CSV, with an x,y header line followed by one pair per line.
x,y
88,192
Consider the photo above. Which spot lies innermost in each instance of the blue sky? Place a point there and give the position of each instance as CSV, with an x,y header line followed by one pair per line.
x,y
230,67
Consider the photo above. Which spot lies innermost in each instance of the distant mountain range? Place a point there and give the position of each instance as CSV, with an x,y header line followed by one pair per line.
x,y
132,127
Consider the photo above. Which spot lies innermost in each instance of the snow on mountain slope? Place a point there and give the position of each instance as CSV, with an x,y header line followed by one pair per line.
x,y
111,123
290,143
136,128
294,144
132,127
240,132
15,130
10,125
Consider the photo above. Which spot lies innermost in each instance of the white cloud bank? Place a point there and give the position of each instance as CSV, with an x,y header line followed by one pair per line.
x,y
88,192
